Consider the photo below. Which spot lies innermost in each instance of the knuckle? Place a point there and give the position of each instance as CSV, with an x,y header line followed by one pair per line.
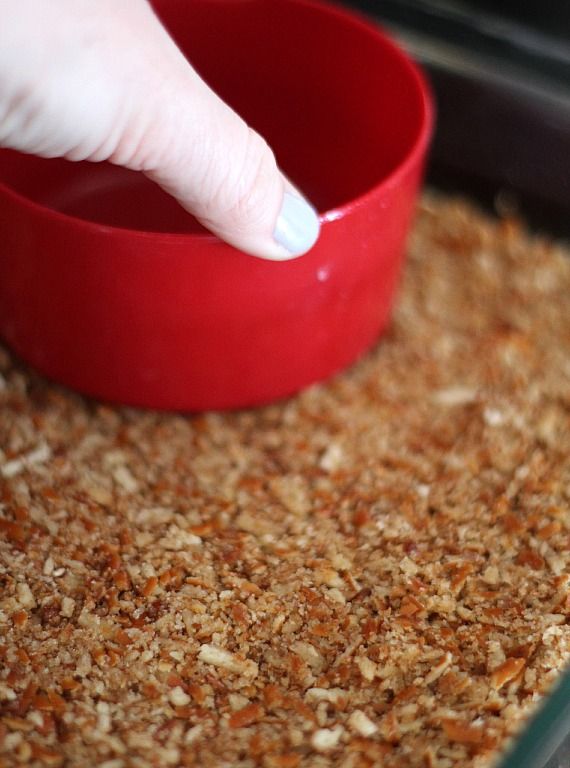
x,y
20,111
243,191
257,177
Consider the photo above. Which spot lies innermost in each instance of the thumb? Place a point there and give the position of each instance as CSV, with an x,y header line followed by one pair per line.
x,y
201,152
225,174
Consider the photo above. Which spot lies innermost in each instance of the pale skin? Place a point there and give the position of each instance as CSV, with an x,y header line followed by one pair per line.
x,y
102,80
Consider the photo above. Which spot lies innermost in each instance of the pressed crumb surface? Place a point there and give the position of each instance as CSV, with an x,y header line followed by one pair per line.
x,y
373,573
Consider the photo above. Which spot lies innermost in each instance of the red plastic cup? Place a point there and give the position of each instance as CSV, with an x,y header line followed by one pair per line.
x,y
109,287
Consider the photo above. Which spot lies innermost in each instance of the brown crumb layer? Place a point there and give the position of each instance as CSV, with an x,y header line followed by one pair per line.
x,y
374,573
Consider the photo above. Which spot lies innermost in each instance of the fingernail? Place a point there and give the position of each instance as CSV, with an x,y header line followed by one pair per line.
x,y
297,227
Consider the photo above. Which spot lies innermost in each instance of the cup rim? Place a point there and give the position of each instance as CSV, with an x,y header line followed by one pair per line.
x,y
417,148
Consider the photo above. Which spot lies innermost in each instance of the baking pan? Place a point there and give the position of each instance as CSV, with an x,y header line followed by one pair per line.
x,y
501,75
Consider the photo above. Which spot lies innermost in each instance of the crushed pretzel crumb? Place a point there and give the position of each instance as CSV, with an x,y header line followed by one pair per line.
x,y
374,572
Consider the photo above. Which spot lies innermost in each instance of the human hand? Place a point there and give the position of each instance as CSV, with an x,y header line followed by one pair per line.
x,y
102,80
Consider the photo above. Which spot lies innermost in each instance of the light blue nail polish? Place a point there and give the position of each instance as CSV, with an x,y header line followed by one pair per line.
x,y
297,227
